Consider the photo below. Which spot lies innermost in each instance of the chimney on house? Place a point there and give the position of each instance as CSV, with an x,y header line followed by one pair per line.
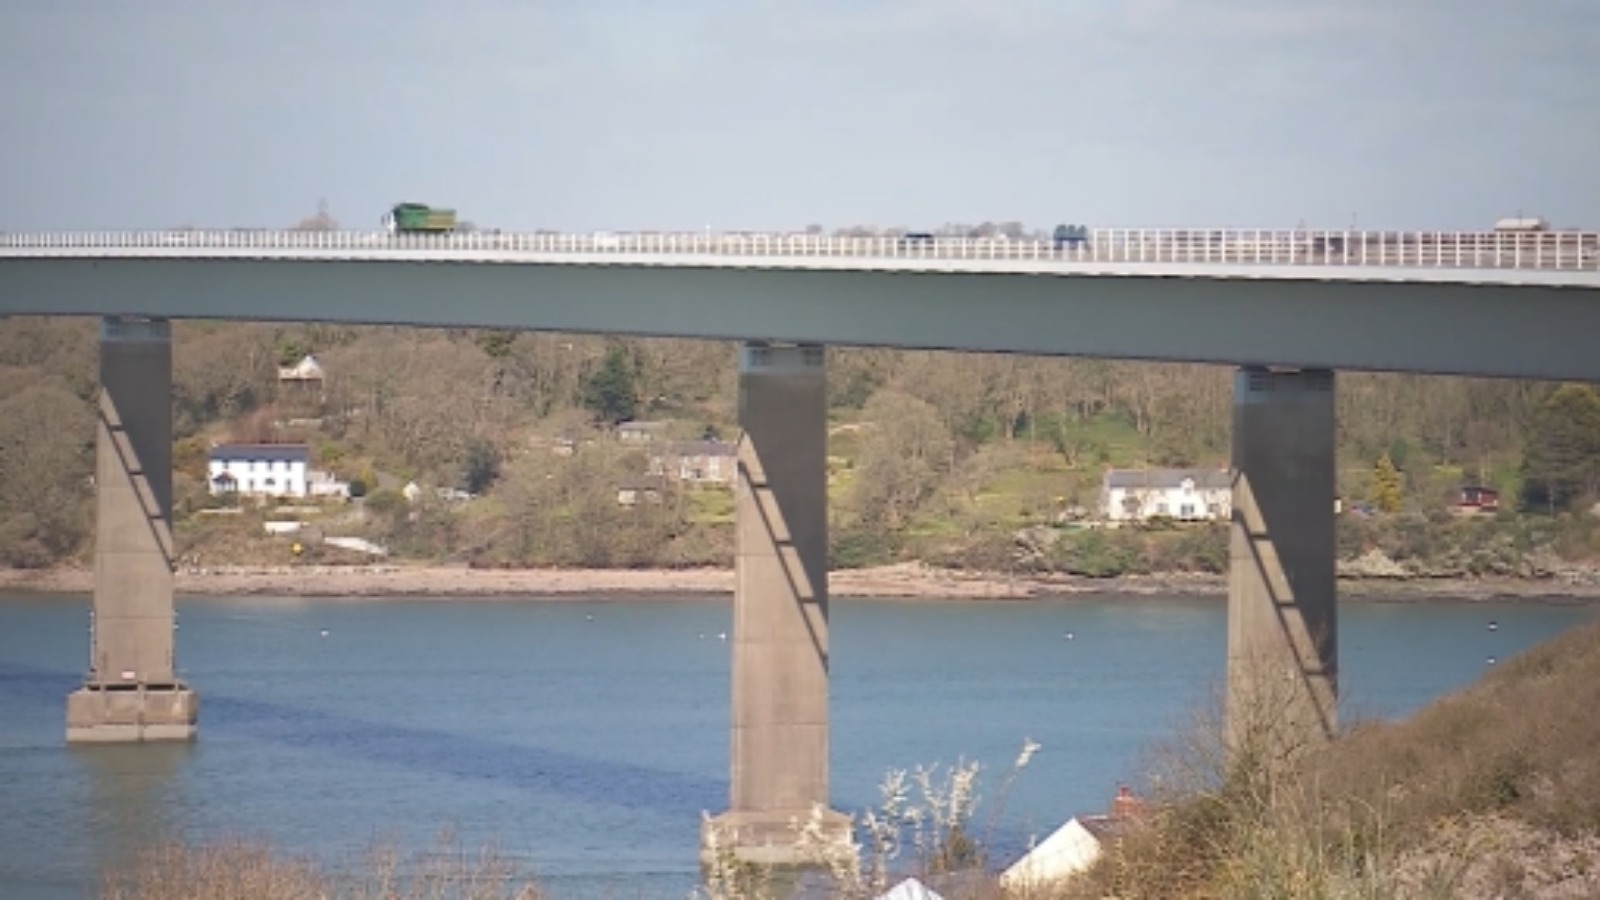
x,y
1125,805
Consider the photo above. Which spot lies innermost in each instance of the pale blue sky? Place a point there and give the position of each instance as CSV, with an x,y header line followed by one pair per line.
x,y
628,114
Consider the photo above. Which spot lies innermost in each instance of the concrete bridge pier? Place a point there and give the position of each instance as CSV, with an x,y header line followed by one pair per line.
x,y
132,692
1282,595
779,749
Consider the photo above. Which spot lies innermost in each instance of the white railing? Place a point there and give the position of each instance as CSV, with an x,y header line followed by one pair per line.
x,y
1569,250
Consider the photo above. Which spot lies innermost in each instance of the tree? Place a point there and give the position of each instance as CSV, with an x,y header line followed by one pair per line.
x,y
481,468
220,373
291,349
495,342
1387,490
904,458
322,221
46,457
608,392
1561,460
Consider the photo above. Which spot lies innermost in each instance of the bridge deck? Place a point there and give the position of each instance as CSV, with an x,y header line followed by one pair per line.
x,y
1488,304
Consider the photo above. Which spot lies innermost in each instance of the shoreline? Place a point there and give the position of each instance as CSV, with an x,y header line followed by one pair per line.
x,y
904,581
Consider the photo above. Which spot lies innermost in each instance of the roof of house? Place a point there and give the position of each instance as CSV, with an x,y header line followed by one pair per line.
x,y
307,369
1105,827
910,889
261,453
1159,479
702,448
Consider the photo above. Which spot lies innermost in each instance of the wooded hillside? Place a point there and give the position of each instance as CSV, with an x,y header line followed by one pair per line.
x,y
940,456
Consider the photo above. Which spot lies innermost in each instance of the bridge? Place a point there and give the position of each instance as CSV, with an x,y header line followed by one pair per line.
x,y
1286,307
1308,299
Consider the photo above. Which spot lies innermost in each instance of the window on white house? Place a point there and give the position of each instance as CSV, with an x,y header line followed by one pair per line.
x,y
1186,510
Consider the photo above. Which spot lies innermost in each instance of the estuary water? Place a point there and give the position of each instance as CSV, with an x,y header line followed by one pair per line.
x,y
584,738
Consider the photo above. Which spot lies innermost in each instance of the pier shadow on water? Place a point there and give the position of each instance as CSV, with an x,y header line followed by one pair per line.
x,y
468,757
34,694
40,694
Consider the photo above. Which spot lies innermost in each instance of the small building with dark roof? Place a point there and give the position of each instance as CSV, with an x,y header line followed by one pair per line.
x,y
640,432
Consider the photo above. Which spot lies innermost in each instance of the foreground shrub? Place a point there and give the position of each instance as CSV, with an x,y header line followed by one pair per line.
x,y
925,825
245,870
1493,791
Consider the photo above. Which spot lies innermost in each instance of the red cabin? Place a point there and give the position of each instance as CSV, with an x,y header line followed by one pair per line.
x,y
1476,498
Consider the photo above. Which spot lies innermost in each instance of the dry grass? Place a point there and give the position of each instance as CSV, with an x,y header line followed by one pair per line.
x,y
246,870
1491,792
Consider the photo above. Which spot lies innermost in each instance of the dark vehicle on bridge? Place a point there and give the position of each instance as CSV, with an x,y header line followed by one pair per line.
x,y
917,239
1070,236
1328,245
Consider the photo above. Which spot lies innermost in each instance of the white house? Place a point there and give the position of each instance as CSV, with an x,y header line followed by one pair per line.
x,y
1188,495
1073,847
306,371
640,432
697,462
320,483
259,470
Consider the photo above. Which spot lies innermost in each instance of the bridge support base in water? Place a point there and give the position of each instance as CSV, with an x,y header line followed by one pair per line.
x,y
132,692
779,747
113,715
1282,593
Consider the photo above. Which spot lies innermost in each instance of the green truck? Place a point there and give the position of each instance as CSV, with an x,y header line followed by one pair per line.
x,y
419,218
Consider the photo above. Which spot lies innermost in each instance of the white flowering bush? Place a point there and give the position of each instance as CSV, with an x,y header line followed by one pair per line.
x,y
927,810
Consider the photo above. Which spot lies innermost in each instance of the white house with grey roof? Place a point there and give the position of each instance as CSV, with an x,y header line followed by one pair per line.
x,y
259,470
1188,495
697,462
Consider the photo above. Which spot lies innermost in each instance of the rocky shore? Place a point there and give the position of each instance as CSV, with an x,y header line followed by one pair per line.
x,y
910,581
